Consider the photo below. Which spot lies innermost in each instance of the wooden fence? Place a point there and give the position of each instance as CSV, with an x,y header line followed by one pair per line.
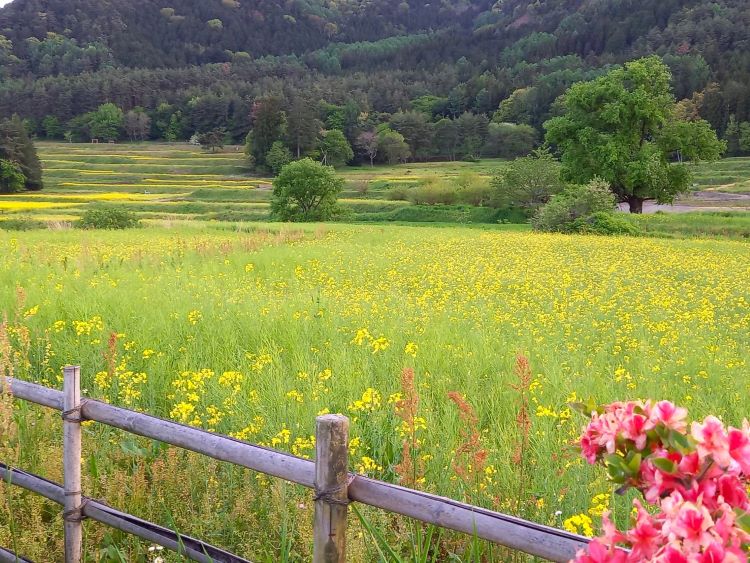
x,y
334,486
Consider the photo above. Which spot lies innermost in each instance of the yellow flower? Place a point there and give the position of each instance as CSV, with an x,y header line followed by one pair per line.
x,y
31,312
369,402
295,396
362,335
367,464
182,411
379,344
282,437
579,524
194,316
411,349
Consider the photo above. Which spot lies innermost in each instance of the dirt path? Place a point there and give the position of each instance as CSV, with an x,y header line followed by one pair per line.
x,y
700,201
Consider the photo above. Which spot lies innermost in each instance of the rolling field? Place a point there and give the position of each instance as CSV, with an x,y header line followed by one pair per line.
x,y
162,181
731,175
178,182
253,332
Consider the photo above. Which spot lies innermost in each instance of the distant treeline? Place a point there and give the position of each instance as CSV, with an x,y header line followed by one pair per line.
x,y
202,66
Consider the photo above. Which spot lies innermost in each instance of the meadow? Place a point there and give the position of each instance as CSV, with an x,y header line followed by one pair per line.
x,y
179,182
252,331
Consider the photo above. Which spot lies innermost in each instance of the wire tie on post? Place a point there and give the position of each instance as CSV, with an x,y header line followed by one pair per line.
x,y
68,415
76,514
331,495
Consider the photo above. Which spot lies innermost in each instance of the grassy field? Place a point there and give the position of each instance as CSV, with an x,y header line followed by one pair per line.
x,y
162,181
730,175
254,332
168,182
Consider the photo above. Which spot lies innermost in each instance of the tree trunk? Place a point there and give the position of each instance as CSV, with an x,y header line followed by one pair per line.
x,y
636,204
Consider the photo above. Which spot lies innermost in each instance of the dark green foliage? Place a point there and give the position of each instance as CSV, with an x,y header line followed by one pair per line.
x,y
302,126
268,127
107,217
12,179
305,190
509,140
604,223
17,148
342,66
565,209
212,140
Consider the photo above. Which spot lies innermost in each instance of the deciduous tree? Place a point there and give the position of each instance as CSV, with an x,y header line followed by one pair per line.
x,y
623,128
305,190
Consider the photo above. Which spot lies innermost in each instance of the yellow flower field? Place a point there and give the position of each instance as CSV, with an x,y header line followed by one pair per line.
x,y
253,335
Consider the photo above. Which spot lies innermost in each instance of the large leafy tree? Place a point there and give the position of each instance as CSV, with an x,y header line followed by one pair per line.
x,y
334,148
19,154
106,122
623,127
305,190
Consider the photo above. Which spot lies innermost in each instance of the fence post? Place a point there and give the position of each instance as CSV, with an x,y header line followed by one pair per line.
x,y
331,484
72,463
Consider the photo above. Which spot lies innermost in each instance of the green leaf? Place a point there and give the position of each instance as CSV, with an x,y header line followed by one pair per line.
x,y
634,465
665,465
679,442
743,519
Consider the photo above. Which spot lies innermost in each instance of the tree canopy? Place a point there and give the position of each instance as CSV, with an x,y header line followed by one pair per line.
x,y
21,166
623,127
305,190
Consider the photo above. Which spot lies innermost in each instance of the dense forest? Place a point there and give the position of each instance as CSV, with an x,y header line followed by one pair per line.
x,y
449,79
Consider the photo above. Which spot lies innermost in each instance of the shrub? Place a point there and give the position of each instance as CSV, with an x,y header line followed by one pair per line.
x,y
476,194
575,202
108,217
21,225
528,182
398,193
278,157
604,223
434,193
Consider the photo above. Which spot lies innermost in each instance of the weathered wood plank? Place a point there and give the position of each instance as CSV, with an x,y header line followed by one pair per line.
x,y
72,464
331,482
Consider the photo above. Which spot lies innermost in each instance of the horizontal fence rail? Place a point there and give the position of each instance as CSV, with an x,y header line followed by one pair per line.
x,y
184,545
7,556
515,533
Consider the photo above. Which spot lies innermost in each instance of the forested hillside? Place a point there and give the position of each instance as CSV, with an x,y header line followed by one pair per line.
x,y
190,66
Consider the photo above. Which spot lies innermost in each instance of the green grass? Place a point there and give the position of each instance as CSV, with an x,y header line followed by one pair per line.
x,y
726,224
247,331
727,175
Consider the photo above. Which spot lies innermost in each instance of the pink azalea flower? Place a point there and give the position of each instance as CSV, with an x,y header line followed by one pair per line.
x,y
712,440
644,537
739,447
669,415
